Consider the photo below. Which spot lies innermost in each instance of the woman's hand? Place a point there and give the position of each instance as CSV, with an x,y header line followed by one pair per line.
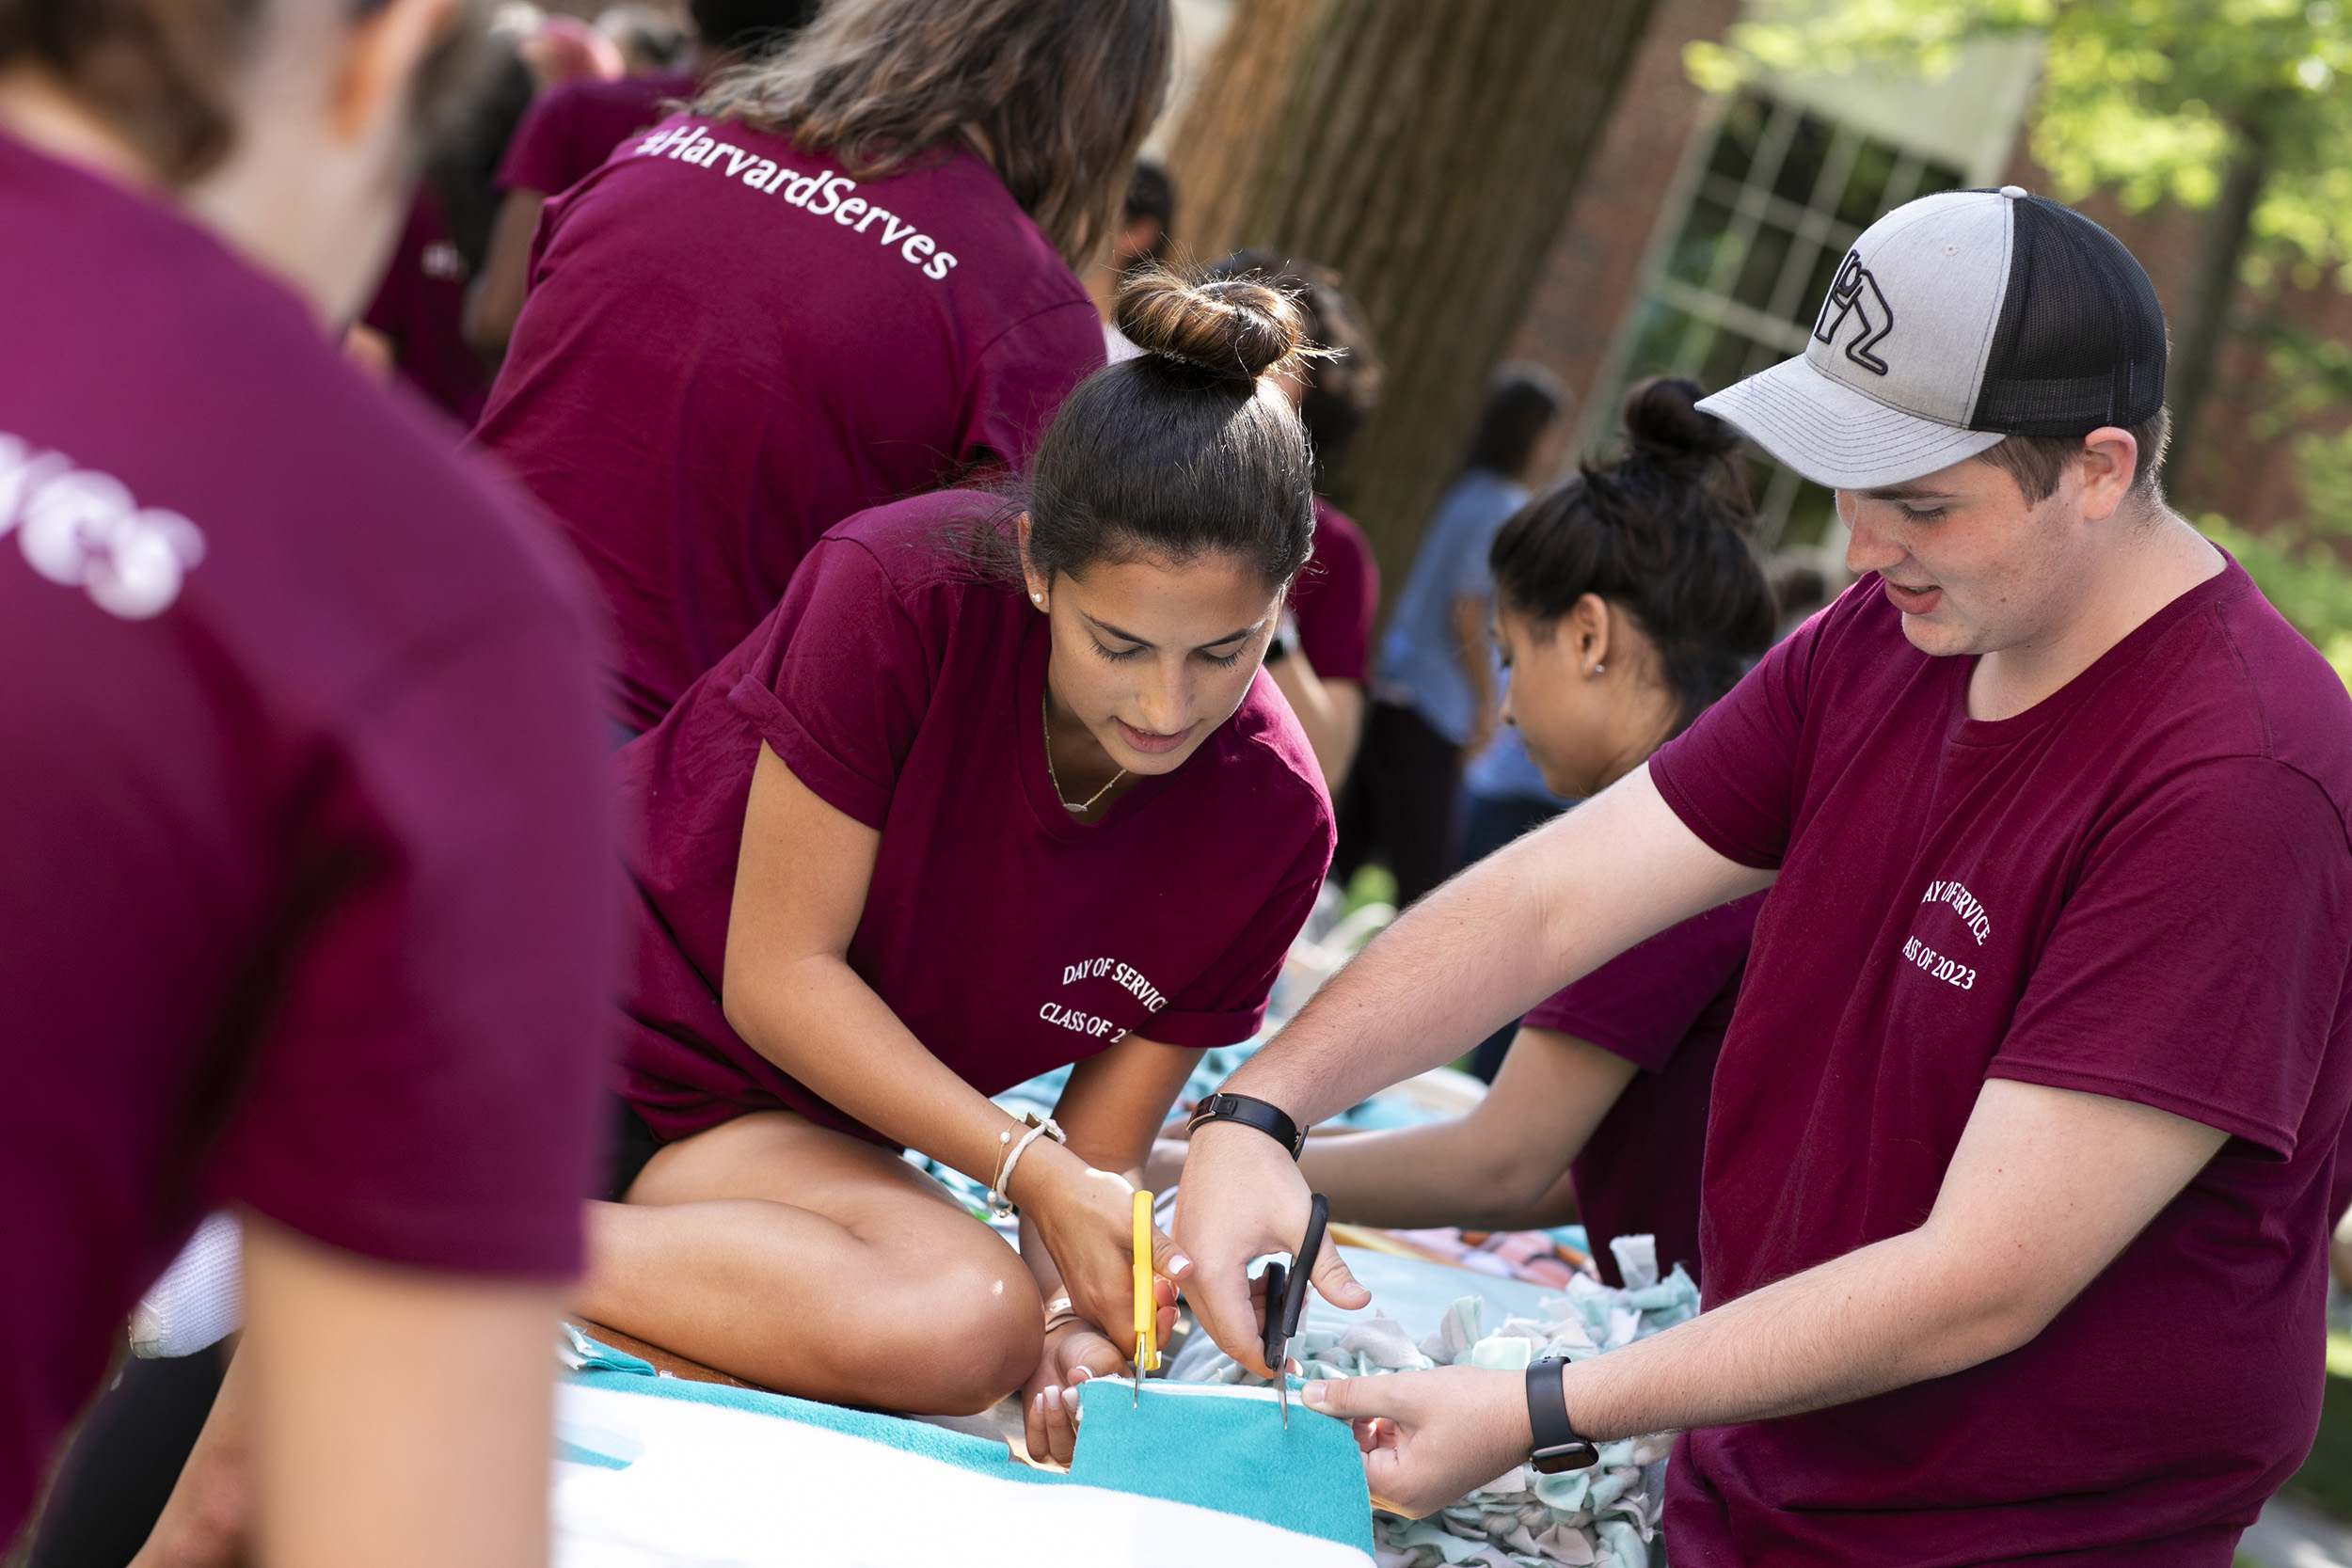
x,y
1429,1437
1086,1218
1075,1350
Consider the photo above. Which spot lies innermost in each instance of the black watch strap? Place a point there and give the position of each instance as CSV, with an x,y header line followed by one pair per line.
x,y
1270,1119
1557,1446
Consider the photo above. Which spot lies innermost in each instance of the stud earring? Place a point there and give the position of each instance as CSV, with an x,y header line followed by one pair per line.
x,y
1600,669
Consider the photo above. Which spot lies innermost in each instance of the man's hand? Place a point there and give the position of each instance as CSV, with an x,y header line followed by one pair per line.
x,y
1429,1437
1242,1198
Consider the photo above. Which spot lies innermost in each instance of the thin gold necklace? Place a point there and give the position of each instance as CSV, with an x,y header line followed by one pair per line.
x,y
1045,725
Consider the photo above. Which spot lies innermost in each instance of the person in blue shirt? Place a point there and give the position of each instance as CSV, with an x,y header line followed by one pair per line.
x,y
1434,687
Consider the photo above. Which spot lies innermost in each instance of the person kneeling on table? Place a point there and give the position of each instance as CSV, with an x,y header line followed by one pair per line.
x,y
2017,1164
992,791
1626,601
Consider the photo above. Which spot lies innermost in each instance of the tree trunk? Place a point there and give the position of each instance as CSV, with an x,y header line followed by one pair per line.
x,y
2205,315
1428,151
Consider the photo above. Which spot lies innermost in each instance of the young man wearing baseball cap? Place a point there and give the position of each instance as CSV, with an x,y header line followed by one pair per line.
x,y
2019,1160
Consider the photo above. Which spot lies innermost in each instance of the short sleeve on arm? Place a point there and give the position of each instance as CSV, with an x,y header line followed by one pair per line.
x,y
1023,376
844,683
1731,776
1336,598
1226,1004
2199,965
430,1090
1642,1004
535,159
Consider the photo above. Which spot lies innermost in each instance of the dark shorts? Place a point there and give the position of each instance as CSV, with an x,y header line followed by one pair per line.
x,y
633,1144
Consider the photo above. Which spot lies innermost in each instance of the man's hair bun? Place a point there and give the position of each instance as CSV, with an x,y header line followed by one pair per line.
x,y
1235,329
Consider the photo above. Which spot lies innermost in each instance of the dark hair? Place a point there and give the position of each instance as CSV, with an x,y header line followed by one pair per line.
x,y
1343,383
749,27
1186,450
2038,462
162,73
1062,90
1661,534
1521,401
1151,195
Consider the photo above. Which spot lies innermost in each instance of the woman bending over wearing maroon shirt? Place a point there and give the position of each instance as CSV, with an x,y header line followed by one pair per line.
x,y
842,278
1627,601
992,791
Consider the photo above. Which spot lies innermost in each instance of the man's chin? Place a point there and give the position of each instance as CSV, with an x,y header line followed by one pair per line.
x,y
1934,637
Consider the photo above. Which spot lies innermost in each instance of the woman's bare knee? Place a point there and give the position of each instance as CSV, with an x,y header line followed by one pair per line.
x,y
976,1328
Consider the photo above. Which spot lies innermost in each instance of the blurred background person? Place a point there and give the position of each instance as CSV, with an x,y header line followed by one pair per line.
x,y
1320,656
566,48
1146,237
929,172
313,861
574,126
1435,692
651,42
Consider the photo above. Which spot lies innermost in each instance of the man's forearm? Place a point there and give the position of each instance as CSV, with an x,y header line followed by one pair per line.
x,y
1888,1315
1489,944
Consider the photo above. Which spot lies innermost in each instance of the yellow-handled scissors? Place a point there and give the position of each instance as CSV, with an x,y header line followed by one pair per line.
x,y
1147,1357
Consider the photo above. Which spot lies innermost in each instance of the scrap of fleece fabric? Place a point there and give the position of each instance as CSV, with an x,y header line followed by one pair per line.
x,y
1604,1516
656,1470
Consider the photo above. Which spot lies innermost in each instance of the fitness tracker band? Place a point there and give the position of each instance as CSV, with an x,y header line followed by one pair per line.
x,y
1270,1120
1557,1446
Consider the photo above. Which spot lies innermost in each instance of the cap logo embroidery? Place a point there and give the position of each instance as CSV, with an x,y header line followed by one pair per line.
x,y
1856,294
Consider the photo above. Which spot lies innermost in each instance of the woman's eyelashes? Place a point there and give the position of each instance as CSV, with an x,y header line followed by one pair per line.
x,y
1120,655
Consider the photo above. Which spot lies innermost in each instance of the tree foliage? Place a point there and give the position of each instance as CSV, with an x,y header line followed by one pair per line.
x,y
2147,99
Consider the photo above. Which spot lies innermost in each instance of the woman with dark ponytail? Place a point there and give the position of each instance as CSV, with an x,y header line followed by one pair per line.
x,y
1627,601
997,788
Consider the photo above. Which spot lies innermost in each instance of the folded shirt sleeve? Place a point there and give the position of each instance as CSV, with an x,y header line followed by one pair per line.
x,y
843,686
1642,1004
2198,964
1227,1003
1732,776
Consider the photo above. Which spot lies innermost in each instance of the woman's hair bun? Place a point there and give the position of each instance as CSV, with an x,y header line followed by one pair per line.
x,y
1663,420
1236,329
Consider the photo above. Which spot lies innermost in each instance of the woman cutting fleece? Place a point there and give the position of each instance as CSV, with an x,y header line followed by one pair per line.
x,y
1625,602
992,790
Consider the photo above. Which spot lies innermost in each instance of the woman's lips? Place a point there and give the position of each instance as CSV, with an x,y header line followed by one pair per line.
x,y
1913,601
1150,745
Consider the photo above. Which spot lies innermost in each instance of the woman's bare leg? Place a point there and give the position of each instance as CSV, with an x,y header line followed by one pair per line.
x,y
814,1263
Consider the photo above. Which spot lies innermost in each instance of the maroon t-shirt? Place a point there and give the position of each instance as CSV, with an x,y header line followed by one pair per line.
x,y
1662,1005
1007,937
2139,888
574,126
421,307
728,347
306,890
1336,597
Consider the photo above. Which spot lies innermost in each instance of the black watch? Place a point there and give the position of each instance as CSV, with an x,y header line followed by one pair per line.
x,y
1557,1446
1270,1119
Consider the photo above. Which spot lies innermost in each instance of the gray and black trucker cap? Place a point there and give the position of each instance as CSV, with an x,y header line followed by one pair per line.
x,y
1956,320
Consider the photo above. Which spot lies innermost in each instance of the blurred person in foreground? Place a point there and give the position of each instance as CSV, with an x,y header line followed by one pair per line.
x,y
1434,692
308,898
2015,1205
917,178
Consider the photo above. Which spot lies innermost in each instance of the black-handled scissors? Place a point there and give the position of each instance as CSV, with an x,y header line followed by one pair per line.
x,y
1286,1298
